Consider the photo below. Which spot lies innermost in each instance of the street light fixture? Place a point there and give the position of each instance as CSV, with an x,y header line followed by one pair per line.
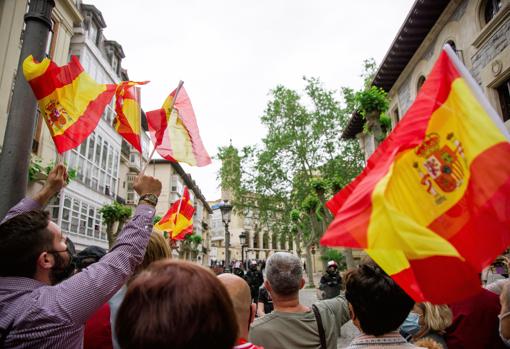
x,y
243,237
226,210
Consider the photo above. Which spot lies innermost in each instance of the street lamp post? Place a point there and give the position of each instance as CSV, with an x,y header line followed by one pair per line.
x,y
226,210
20,124
242,239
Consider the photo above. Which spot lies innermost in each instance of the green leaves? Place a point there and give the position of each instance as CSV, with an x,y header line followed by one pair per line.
x,y
115,212
371,99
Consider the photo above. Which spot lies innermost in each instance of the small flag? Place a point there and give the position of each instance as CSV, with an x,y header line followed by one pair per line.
x,y
178,221
174,131
129,112
70,101
432,206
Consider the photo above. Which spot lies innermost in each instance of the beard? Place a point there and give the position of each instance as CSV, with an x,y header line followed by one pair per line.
x,y
62,269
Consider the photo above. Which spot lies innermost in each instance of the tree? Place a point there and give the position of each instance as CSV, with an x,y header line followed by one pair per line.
x,y
114,213
297,165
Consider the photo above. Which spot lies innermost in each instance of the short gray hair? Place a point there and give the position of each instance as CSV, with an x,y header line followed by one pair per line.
x,y
284,273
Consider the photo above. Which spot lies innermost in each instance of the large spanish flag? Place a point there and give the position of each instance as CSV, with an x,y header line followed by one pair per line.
x,y
178,221
129,113
70,101
174,131
432,206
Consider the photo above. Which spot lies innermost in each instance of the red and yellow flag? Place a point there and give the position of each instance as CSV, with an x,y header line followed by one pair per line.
x,y
432,206
174,131
129,113
178,221
70,101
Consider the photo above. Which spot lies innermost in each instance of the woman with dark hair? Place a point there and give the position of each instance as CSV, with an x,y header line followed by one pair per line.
x,y
178,305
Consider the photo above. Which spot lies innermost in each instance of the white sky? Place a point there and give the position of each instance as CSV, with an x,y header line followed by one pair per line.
x,y
231,53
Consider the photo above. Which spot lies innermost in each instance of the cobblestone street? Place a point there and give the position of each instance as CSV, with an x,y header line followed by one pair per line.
x,y
308,296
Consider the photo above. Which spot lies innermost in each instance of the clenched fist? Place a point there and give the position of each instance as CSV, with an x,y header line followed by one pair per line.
x,y
147,185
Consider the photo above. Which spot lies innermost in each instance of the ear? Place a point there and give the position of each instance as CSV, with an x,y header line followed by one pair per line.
x,y
267,286
45,261
302,283
253,312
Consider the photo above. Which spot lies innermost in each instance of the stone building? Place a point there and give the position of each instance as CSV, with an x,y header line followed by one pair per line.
x,y
478,31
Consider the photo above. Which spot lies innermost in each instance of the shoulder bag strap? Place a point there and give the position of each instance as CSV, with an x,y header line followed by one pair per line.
x,y
318,318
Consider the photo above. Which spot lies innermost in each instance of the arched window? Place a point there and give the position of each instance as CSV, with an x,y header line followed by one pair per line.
x,y
421,81
490,9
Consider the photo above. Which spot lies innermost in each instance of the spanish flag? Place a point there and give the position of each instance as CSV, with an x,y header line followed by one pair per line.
x,y
432,206
70,101
129,113
174,131
178,221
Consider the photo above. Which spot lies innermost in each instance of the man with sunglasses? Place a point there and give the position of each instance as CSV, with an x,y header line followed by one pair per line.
x,y
41,306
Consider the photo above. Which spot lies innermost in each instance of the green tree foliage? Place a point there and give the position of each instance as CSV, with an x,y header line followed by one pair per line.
x,y
287,179
331,254
114,213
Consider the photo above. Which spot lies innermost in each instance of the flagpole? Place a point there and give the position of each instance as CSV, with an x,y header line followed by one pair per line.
x,y
170,112
180,203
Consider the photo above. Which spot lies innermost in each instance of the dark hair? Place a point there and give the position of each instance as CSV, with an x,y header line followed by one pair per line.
x,y
377,301
22,239
178,305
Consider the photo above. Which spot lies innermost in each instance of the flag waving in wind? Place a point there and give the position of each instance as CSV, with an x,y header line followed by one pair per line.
x,y
432,206
127,107
174,131
70,101
178,221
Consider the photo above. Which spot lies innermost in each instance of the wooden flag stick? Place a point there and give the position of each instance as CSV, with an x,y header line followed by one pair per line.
x,y
169,113
180,204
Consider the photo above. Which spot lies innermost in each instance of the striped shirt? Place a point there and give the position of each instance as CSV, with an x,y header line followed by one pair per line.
x,y
36,315
244,344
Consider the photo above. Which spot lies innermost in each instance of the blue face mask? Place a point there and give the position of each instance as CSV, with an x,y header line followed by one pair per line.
x,y
411,324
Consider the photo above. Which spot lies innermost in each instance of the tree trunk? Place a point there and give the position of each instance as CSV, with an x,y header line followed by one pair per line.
x,y
309,267
349,259
109,234
298,243
119,229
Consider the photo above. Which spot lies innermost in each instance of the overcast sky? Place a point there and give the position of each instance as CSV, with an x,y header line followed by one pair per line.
x,y
231,53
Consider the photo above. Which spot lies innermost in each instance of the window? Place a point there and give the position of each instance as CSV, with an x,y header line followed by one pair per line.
x,y
491,8
504,99
78,217
421,81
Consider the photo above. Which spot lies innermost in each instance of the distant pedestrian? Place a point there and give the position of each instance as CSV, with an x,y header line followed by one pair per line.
x,y
255,279
331,281
265,302
291,324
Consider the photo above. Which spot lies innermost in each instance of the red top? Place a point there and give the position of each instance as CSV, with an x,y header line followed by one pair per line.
x,y
475,323
244,344
98,330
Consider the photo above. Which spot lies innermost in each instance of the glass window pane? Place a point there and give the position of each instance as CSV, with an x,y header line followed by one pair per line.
x,y
90,154
97,157
104,155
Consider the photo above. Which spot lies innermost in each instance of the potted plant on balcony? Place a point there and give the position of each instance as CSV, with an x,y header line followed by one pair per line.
x,y
372,103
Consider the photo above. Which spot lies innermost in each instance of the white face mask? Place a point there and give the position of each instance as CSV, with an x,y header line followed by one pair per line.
x,y
505,340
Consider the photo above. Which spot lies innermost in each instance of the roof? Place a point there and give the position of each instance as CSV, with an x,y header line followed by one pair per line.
x,y
354,126
98,16
116,46
187,179
418,23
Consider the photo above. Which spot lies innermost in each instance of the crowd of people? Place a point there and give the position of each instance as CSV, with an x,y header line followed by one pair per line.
x,y
136,296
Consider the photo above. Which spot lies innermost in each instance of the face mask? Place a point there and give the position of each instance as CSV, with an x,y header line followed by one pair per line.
x,y
62,269
411,324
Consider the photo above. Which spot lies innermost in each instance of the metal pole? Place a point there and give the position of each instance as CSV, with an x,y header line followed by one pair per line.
x,y
227,249
19,131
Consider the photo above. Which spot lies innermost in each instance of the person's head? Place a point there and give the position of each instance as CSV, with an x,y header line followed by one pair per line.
x,y
176,304
284,276
32,246
436,318
332,267
157,249
377,304
89,255
253,265
240,295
